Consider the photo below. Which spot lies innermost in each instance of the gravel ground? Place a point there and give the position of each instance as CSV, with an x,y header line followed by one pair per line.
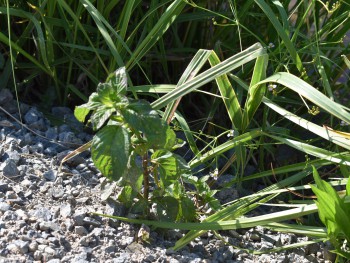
x,y
45,215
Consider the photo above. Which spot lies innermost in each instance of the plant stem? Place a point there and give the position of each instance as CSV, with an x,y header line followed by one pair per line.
x,y
145,176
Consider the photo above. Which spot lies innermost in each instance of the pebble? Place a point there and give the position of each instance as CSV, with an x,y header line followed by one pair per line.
x,y
80,230
50,175
65,210
9,168
4,207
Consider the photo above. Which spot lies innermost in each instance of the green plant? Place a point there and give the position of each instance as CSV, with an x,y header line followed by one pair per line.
x,y
334,213
134,146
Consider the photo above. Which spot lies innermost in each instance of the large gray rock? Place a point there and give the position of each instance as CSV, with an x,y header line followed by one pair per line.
x,y
9,168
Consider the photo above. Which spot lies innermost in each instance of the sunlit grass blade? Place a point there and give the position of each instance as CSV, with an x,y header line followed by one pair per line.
x,y
282,33
209,75
228,94
228,224
191,71
323,132
310,93
255,92
188,133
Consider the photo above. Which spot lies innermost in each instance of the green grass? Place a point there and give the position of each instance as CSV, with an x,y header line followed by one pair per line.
x,y
274,72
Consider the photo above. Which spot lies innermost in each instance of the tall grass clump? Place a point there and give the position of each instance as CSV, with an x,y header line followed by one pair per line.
x,y
256,89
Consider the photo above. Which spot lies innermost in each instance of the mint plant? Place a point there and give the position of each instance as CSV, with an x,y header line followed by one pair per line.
x,y
134,147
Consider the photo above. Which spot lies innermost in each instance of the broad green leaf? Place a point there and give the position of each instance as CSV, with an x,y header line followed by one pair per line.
x,y
107,94
80,112
326,209
325,187
170,140
119,81
110,151
100,116
188,209
142,118
167,208
170,166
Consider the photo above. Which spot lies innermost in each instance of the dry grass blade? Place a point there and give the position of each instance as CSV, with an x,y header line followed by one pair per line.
x,y
74,153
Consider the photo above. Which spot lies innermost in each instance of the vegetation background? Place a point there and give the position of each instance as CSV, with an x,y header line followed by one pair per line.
x,y
277,107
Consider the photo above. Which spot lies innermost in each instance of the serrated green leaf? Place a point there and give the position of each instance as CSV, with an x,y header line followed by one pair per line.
x,y
142,118
80,112
119,81
188,209
83,110
100,116
167,208
110,151
106,94
170,166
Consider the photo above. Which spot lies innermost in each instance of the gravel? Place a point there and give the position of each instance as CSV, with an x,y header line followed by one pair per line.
x,y
45,215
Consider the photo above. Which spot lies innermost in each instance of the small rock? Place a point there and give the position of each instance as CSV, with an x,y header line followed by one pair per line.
x,y
80,230
4,187
65,210
78,218
39,125
50,175
9,168
11,195
10,216
125,241
57,192
51,133
43,213
32,116
12,248
22,246
48,225
69,137
109,249
91,221
38,255
49,251
4,207
33,246
5,96
13,155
